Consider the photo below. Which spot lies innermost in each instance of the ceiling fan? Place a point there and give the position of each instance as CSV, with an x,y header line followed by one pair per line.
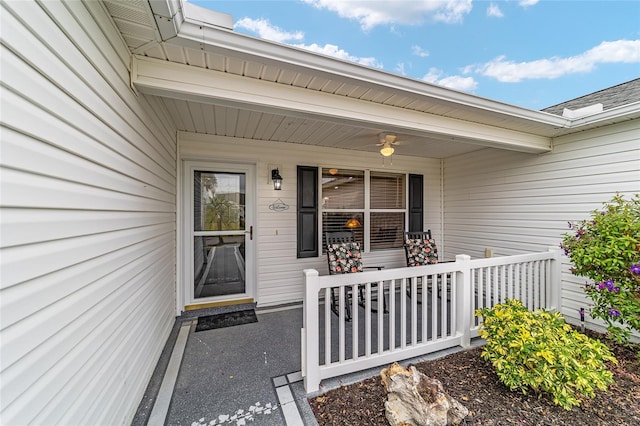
x,y
387,140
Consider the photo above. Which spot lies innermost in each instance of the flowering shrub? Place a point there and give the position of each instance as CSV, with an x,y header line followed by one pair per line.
x,y
606,248
539,351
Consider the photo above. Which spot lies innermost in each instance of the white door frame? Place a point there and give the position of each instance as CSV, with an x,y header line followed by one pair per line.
x,y
184,285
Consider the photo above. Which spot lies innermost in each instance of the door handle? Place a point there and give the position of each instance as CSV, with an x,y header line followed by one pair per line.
x,y
250,232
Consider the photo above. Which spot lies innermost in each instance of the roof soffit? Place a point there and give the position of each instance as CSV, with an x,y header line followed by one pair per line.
x,y
179,81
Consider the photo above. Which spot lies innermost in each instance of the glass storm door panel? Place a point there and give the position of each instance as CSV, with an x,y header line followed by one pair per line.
x,y
220,234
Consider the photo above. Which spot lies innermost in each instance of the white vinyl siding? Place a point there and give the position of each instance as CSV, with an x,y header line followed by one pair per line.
x,y
279,271
88,176
517,203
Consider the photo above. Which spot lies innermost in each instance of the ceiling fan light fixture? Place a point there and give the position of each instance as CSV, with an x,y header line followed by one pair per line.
x,y
387,150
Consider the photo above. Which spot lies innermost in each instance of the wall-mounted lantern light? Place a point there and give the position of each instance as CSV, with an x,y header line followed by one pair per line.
x,y
277,179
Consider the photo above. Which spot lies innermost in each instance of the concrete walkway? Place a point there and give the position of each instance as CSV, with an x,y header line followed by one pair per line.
x,y
245,374
242,375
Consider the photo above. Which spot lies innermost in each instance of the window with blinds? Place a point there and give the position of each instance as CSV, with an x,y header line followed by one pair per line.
x,y
387,209
370,204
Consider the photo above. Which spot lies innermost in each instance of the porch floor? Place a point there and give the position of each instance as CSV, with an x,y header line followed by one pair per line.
x,y
245,374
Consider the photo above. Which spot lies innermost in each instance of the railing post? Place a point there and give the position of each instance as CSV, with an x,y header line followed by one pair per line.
x,y
555,294
310,331
463,300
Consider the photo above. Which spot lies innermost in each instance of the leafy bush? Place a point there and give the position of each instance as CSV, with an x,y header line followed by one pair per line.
x,y
606,248
539,351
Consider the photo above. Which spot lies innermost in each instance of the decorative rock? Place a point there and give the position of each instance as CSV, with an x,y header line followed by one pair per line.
x,y
413,399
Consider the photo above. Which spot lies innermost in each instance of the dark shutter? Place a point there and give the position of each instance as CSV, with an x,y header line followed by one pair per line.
x,y
307,214
416,203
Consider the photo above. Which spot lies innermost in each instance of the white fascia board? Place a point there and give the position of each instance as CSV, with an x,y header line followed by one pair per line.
x,y
180,81
625,112
203,16
169,17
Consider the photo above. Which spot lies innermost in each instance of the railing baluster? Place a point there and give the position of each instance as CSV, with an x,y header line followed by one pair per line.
x,y
503,284
392,315
488,289
341,326
547,282
403,313
414,309
453,299
443,301
496,283
327,326
355,322
517,279
423,312
380,317
530,286
510,281
536,284
367,319
483,290
434,307
474,298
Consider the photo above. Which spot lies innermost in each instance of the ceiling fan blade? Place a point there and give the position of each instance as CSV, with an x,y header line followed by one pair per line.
x,y
387,138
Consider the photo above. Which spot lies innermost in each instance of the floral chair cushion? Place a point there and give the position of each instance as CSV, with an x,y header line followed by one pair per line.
x,y
421,252
344,258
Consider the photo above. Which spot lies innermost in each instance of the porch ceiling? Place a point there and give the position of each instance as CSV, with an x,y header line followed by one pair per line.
x,y
431,121
220,120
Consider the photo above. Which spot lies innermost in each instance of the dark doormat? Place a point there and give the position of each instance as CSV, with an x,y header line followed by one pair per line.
x,y
226,320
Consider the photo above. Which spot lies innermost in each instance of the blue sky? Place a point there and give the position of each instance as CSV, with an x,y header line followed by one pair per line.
x,y
528,53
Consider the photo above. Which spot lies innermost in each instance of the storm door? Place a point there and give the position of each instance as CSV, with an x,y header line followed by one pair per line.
x,y
221,232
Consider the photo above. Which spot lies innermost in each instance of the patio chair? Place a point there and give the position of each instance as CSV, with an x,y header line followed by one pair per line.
x,y
420,249
343,257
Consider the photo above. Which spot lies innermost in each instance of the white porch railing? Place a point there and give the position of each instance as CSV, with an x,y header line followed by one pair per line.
x,y
429,308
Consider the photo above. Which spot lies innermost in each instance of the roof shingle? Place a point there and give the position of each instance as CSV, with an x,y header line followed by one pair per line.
x,y
611,97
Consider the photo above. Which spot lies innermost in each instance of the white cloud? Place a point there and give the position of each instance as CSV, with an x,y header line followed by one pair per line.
x,y
336,52
621,51
494,11
466,84
527,3
432,76
400,69
264,29
453,11
406,12
419,51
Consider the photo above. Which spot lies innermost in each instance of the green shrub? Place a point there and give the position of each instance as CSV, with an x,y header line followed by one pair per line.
x,y
606,248
538,351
